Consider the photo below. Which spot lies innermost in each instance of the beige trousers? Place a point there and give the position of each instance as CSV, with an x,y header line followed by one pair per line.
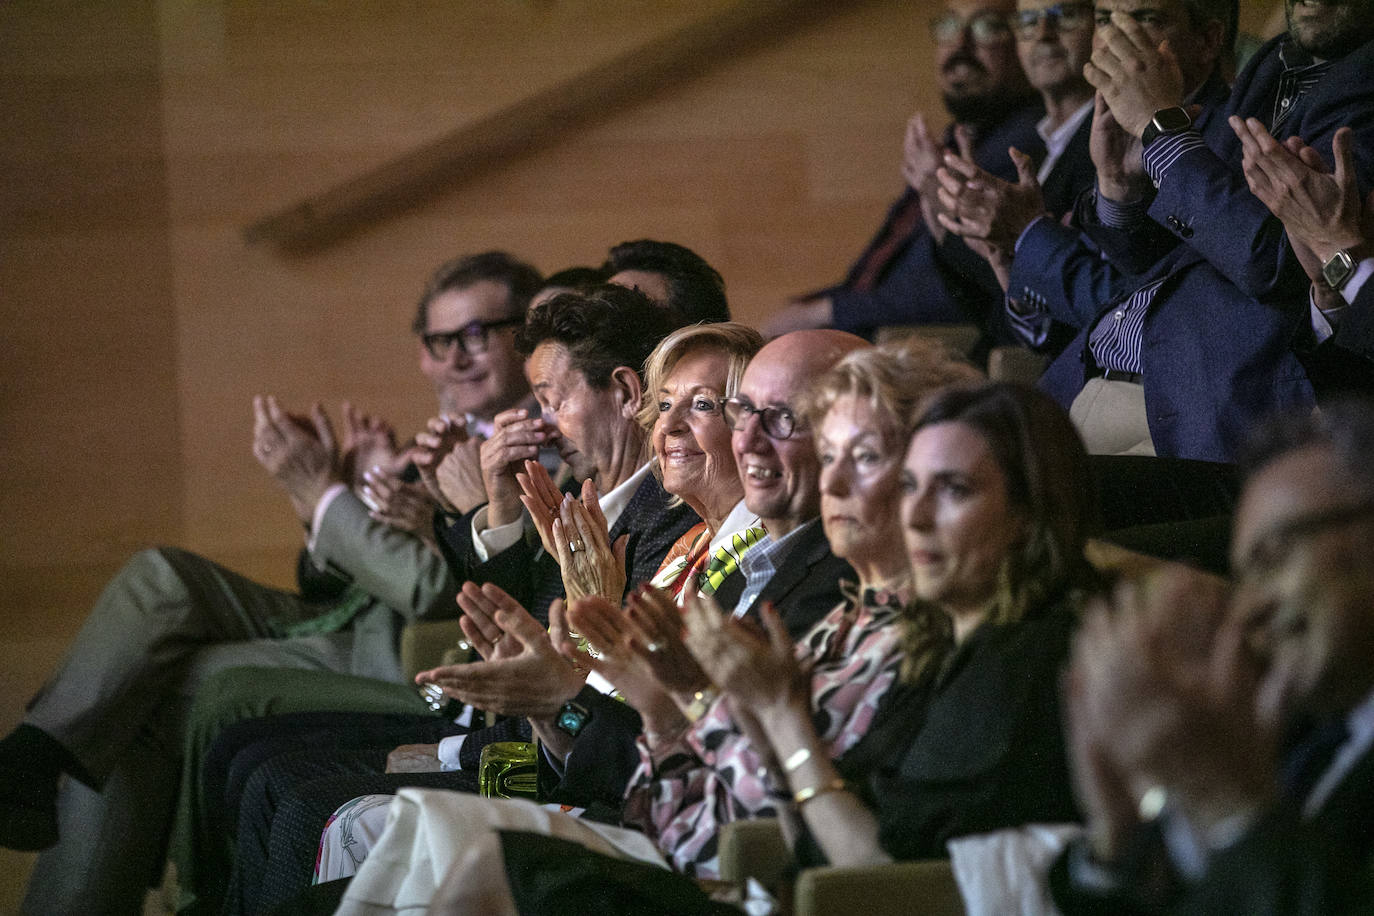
x,y
1111,418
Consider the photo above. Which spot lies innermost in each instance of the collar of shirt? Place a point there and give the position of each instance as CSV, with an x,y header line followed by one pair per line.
x,y
614,502
762,562
477,425
1057,140
739,518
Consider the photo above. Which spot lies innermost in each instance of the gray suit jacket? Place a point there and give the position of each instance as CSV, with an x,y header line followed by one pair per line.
x,y
405,580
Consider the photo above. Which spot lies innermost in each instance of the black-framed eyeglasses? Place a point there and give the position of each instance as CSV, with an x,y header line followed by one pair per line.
x,y
777,422
1065,17
984,29
472,337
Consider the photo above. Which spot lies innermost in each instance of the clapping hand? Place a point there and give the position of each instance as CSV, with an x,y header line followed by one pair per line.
x,y
591,564
300,453
523,672
988,213
1135,76
1320,208
404,506
617,653
756,667
368,442
1163,694
433,444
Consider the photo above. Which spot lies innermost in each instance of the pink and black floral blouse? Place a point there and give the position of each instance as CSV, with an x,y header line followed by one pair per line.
x,y
686,789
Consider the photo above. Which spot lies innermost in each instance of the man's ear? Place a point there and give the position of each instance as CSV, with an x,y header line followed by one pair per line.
x,y
628,389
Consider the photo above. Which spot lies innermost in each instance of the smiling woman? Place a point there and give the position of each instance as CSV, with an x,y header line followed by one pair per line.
x,y
686,378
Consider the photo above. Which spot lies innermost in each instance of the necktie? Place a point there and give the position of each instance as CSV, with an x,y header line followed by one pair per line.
x,y
898,230
353,600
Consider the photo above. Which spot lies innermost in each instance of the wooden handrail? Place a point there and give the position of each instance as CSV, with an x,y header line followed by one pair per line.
x,y
526,124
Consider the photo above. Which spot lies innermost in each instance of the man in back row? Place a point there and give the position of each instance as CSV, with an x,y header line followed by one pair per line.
x,y
913,271
1187,329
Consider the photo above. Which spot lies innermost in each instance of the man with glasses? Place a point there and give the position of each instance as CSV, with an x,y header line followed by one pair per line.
x,y
1226,748
111,717
913,272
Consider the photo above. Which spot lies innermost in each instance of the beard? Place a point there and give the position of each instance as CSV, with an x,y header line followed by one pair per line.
x,y
1346,25
986,104
984,107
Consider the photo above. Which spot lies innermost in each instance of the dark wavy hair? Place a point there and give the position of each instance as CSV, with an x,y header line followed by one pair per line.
x,y
696,290
1049,484
602,329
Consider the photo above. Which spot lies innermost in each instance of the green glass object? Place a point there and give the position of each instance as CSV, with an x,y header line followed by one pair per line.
x,y
508,769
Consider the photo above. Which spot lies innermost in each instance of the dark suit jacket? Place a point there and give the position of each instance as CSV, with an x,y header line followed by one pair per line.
x,y
804,589
1217,351
926,283
1356,332
1283,865
1343,365
528,574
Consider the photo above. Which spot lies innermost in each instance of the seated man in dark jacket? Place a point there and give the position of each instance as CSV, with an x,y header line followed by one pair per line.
x,y
1213,784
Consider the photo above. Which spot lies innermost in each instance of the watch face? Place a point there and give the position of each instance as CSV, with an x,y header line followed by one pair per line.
x,y
571,720
1169,120
1337,270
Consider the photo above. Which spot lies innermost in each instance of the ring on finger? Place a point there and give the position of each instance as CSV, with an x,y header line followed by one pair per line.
x,y
573,547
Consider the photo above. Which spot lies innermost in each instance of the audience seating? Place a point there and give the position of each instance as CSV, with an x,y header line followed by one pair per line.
x,y
755,849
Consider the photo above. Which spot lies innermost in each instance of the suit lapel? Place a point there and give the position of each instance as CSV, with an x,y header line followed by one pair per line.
x,y
1348,813
810,549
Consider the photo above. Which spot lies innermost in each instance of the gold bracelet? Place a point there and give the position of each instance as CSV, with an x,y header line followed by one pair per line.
x,y
810,792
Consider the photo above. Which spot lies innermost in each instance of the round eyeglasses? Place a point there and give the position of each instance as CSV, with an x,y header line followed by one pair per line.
x,y
777,422
1064,17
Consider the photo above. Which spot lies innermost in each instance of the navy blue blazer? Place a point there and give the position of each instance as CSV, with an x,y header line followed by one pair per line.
x,y
1218,348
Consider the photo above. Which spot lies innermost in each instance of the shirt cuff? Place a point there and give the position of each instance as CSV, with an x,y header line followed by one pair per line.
x,y
1322,328
1161,155
1363,271
488,542
1119,214
1031,326
449,750
317,519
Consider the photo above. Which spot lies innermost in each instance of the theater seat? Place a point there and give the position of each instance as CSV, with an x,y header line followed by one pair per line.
x,y
906,888
755,849
427,644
